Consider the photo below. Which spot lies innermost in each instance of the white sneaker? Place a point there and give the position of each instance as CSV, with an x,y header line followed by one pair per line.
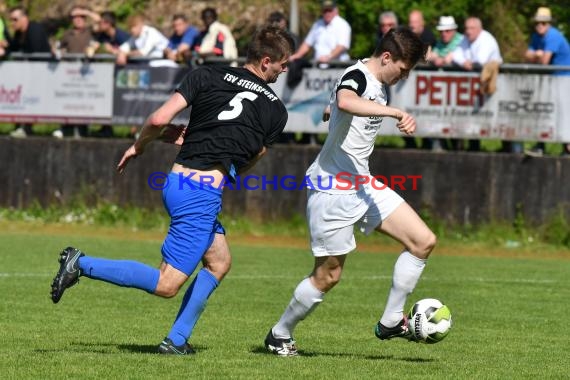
x,y
535,152
19,133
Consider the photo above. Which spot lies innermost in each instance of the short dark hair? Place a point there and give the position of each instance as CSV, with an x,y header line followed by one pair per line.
x,y
403,45
270,41
20,8
180,16
275,17
110,17
210,13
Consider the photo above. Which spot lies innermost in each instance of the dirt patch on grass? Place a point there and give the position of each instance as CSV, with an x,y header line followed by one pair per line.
x,y
444,248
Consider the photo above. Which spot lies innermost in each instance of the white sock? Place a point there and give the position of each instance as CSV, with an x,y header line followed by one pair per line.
x,y
407,272
305,299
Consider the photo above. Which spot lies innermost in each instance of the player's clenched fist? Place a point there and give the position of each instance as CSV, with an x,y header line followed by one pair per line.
x,y
407,124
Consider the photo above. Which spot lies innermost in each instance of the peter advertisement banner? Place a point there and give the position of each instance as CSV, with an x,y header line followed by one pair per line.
x,y
525,107
449,104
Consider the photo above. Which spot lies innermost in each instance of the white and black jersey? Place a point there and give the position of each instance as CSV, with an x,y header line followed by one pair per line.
x,y
351,138
234,115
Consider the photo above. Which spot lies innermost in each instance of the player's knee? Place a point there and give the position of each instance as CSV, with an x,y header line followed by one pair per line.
x,y
167,289
427,245
326,280
430,243
334,278
219,268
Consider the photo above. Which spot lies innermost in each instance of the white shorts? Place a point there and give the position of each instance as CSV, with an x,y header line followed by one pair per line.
x,y
332,217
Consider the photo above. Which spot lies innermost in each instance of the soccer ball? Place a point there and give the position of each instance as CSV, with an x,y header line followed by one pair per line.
x,y
429,320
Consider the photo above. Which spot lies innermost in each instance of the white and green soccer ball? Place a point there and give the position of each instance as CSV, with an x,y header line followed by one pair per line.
x,y
429,320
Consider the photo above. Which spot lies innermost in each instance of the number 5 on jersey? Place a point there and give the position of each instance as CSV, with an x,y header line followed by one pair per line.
x,y
237,106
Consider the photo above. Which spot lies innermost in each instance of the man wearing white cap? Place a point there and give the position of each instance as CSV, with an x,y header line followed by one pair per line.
x,y
449,39
547,44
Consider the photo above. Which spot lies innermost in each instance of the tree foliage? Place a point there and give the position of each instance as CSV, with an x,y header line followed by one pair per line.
x,y
510,21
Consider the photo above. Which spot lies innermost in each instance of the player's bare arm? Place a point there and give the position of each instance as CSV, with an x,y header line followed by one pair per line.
x,y
334,54
327,113
152,127
349,101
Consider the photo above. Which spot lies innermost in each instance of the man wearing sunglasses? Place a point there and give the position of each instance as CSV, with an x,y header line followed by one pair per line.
x,y
547,44
28,37
547,47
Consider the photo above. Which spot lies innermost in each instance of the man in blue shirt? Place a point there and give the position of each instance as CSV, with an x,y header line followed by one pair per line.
x,y
184,37
548,47
547,44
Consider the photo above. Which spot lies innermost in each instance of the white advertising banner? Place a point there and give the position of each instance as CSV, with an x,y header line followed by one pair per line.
x,y
448,104
58,92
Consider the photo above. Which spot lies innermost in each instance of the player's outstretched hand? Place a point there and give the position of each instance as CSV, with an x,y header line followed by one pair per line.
x,y
127,156
173,134
407,124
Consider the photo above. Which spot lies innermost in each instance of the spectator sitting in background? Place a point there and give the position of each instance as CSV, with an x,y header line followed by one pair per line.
x,y
180,44
329,37
477,48
4,37
145,41
295,71
386,20
417,24
216,38
442,55
29,37
548,46
109,36
294,74
279,20
449,39
76,40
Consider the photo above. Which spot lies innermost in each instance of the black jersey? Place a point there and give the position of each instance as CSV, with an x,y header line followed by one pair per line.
x,y
234,115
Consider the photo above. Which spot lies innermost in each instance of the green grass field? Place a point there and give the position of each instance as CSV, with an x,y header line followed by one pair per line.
x,y
510,316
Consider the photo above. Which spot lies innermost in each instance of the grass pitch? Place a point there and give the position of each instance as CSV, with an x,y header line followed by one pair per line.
x,y
510,316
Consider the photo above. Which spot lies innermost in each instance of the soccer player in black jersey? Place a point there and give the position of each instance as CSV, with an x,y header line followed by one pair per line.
x,y
235,117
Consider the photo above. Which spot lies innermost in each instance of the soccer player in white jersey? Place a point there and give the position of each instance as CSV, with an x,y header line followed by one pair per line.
x,y
358,105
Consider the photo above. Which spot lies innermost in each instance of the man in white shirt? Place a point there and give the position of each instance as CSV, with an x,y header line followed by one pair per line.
x,y
145,41
329,37
216,38
477,48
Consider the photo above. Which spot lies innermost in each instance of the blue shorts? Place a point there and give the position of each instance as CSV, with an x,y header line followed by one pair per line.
x,y
194,222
